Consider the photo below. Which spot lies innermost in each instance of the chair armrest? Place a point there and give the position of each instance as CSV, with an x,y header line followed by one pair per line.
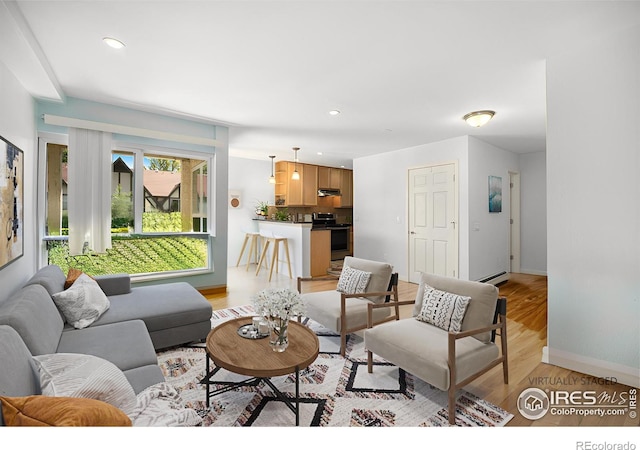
x,y
463,334
369,294
394,304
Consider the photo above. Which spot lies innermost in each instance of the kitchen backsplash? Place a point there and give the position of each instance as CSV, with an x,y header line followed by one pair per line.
x,y
343,215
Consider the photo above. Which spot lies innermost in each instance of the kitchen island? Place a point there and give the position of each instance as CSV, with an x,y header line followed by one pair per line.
x,y
300,239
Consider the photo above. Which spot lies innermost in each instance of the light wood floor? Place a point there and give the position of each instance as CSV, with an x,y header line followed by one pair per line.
x,y
526,331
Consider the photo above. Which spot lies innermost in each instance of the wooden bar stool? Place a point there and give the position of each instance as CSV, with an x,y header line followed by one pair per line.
x,y
254,247
270,238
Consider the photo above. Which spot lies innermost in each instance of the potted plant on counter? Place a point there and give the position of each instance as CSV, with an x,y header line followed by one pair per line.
x,y
262,209
282,215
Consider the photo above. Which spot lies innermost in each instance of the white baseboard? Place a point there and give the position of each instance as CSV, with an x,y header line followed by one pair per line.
x,y
533,272
626,375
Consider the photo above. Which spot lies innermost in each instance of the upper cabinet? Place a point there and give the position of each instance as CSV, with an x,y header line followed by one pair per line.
x,y
329,177
301,192
345,200
309,185
304,192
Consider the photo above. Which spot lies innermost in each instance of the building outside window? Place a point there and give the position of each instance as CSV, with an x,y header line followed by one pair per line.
x,y
159,212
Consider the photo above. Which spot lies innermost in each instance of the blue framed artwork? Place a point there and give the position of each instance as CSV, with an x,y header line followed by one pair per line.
x,y
495,194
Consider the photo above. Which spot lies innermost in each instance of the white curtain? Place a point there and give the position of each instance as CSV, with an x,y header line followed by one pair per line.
x,y
89,191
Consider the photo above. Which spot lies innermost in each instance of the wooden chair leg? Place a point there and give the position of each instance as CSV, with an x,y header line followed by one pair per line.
x,y
252,251
343,343
274,259
369,361
452,405
262,257
244,245
286,250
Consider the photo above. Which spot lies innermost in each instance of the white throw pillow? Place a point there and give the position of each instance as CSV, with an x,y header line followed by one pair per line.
x,y
83,302
353,281
443,309
85,376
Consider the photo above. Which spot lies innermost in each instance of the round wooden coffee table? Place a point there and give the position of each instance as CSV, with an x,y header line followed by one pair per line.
x,y
255,358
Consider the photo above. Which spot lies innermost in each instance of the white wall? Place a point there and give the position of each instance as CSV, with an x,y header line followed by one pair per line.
x,y
533,213
250,178
17,126
380,201
488,232
593,206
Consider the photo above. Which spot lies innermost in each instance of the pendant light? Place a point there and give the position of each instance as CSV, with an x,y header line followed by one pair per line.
x,y
272,178
296,174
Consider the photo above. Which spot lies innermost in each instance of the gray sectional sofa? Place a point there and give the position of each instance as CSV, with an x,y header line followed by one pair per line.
x,y
139,321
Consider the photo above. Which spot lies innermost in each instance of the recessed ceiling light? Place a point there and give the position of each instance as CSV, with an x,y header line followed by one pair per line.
x,y
113,42
320,153
334,112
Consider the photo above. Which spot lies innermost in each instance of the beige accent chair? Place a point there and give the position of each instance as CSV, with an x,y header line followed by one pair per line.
x,y
444,359
347,313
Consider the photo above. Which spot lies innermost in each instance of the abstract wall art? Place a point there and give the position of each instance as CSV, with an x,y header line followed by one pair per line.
x,y
495,194
11,202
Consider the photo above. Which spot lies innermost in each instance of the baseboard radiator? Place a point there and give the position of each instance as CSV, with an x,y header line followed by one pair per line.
x,y
496,279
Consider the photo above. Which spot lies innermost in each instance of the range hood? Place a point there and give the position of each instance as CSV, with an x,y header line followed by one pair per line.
x,y
328,192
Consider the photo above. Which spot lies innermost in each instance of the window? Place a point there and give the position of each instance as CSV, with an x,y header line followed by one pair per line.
x,y
159,212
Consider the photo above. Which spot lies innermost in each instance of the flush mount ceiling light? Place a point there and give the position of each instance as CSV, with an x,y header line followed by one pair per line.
x,y
113,42
295,175
478,118
272,178
334,112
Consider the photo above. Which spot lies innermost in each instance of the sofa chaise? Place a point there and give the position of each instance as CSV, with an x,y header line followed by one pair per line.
x,y
138,322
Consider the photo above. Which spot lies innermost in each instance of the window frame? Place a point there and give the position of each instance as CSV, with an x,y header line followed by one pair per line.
x,y
138,150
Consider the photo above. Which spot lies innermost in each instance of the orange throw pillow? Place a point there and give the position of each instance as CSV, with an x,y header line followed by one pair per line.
x,y
72,276
42,411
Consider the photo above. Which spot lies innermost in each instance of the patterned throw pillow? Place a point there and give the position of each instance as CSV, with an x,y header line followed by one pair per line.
x,y
85,376
83,302
353,281
443,309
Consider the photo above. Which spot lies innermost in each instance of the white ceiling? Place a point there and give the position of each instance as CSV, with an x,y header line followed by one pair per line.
x,y
402,73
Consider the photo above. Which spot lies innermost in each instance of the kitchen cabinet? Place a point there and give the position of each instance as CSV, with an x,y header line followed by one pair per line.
x,y
329,177
309,185
345,199
290,192
320,252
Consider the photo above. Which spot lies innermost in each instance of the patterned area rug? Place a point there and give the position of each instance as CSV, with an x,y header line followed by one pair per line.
x,y
335,391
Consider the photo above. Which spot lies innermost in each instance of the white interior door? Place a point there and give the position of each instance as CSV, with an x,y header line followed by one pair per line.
x,y
514,234
433,221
